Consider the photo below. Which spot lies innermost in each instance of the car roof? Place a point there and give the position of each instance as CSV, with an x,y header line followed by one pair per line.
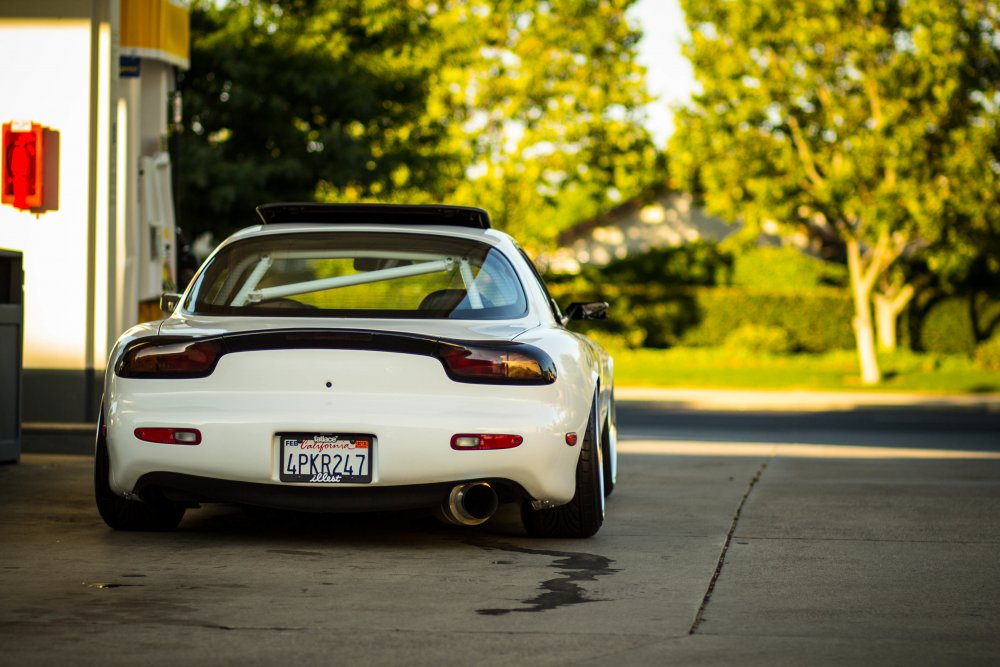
x,y
374,214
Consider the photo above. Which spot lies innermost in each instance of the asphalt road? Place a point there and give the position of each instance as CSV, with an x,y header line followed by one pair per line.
x,y
758,558
912,426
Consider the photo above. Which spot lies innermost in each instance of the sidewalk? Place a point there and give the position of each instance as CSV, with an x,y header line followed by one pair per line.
x,y
804,401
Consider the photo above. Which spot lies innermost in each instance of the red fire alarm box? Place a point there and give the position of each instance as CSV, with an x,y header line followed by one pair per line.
x,y
21,169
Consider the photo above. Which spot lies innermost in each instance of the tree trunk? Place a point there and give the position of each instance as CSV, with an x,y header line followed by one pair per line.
x,y
862,283
885,322
864,336
888,307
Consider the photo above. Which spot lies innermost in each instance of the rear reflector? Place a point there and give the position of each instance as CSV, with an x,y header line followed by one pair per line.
x,y
469,441
170,436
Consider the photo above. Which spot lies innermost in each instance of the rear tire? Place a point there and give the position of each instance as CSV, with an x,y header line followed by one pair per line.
x,y
123,514
584,515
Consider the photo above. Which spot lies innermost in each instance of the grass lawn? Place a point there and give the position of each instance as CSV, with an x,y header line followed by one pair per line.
x,y
717,368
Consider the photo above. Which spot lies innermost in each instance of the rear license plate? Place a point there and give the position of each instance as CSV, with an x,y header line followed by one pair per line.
x,y
326,458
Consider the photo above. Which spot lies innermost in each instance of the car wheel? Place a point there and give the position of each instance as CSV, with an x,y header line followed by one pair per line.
x,y
582,516
121,513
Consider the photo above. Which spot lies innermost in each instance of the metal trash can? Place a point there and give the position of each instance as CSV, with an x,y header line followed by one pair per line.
x,y
11,335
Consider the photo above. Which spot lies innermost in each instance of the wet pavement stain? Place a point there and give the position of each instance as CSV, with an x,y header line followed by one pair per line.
x,y
561,591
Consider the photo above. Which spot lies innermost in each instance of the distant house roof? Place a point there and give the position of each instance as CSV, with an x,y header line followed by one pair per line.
x,y
636,226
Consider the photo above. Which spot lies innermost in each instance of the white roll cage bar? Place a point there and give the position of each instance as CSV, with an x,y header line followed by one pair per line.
x,y
249,293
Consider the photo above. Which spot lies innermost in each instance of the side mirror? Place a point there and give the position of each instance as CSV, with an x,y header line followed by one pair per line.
x,y
169,301
595,310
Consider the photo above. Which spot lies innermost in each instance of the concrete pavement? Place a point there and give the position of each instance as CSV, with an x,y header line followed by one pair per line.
x,y
855,562
742,558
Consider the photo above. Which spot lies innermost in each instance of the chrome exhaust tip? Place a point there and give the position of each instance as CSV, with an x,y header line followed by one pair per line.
x,y
470,504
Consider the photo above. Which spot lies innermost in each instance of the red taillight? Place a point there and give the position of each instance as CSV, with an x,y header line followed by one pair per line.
x,y
501,365
170,436
172,359
472,441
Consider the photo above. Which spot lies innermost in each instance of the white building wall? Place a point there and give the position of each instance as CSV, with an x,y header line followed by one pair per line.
x,y
87,257
46,77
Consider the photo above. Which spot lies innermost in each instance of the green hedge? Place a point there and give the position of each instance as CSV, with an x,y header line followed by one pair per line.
x,y
785,268
654,316
952,324
818,320
701,295
988,355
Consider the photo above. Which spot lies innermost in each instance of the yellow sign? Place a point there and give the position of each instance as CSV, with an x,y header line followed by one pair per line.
x,y
157,29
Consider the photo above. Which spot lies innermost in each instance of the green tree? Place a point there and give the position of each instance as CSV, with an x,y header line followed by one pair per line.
x,y
874,120
546,100
529,109
287,98
967,207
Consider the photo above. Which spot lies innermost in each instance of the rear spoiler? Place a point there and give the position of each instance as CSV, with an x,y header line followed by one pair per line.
x,y
377,214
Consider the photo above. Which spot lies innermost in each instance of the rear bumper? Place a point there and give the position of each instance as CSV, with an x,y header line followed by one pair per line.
x,y
405,402
194,489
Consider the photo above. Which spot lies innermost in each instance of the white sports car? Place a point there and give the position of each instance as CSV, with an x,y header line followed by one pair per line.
x,y
361,357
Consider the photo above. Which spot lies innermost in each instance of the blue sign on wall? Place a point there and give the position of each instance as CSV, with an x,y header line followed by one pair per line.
x,y
128,67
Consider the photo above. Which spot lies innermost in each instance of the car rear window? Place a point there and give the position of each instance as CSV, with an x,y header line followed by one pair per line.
x,y
349,274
